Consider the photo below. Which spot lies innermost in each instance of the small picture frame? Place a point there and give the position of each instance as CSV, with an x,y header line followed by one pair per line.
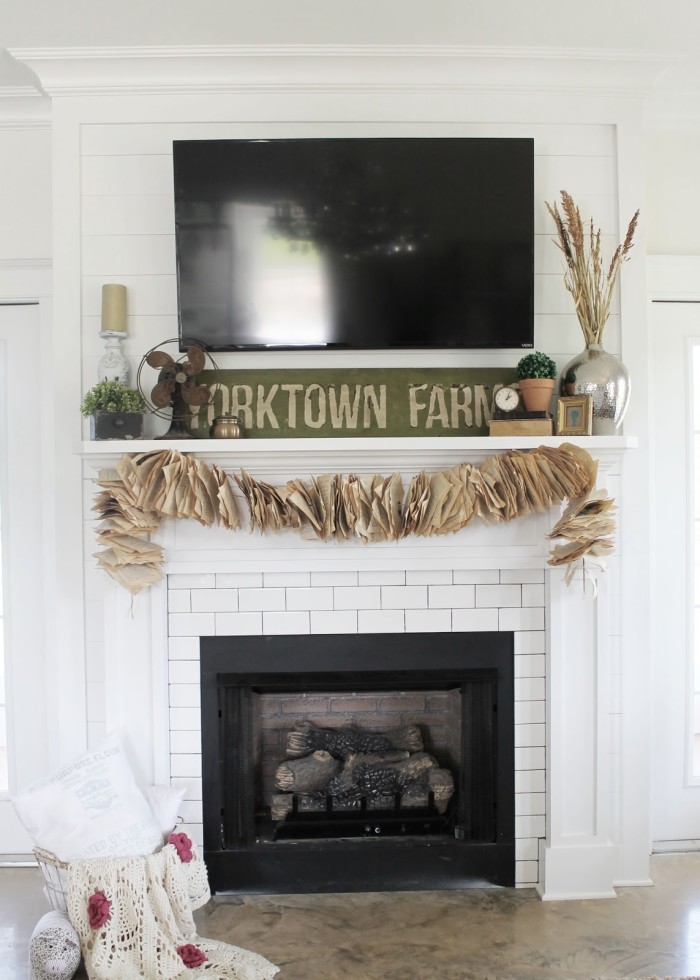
x,y
575,415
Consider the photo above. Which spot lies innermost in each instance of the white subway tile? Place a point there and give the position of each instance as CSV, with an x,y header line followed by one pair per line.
x,y
179,601
529,736
317,598
530,665
529,804
239,580
260,600
279,623
530,826
498,595
529,641
191,624
333,578
530,781
183,672
526,872
192,787
335,621
185,720
529,712
356,597
512,576
191,811
196,832
533,595
239,624
287,580
521,619
186,765
183,647
429,577
428,620
474,620
200,580
530,689
184,695
186,742
467,576
404,597
451,596
527,849
529,758
382,578
214,600
380,621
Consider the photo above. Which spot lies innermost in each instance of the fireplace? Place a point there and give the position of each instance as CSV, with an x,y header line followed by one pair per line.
x,y
457,689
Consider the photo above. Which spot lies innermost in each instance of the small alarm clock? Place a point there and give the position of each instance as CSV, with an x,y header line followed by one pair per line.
x,y
507,400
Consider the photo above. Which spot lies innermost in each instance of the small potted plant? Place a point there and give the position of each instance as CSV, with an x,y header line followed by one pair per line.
x,y
115,411
537,373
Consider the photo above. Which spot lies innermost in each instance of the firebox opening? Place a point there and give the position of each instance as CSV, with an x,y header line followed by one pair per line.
x,y
359,762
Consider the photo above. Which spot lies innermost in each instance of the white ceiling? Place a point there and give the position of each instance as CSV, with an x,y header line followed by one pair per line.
x,y
670,28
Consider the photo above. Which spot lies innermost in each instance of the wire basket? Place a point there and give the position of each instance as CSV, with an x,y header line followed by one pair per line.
x,y
55,878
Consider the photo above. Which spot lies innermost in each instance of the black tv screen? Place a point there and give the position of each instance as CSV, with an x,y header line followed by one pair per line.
x,y
355,243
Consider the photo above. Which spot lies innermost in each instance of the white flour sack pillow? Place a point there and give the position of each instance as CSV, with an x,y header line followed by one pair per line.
x,y
89,808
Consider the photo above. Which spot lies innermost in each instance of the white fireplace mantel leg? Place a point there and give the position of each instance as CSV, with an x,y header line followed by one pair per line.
x,y
578,857
136,681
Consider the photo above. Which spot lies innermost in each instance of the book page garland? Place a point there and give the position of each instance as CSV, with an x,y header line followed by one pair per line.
x,y
145,487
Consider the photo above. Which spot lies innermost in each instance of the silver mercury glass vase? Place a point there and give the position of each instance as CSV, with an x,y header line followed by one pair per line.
x,y
605,378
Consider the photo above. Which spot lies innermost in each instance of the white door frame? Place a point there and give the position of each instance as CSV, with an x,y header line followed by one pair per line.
x,y
29,673
673,279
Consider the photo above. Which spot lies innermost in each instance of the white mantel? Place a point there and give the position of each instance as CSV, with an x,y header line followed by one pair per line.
x,y
594,827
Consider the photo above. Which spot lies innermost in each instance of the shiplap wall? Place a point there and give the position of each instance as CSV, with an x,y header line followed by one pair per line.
x,y
128,228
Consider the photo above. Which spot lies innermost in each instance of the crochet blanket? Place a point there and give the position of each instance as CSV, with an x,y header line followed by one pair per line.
x,y
134,919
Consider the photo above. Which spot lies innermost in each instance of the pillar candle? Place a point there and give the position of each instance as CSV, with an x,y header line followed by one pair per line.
x,y
113,308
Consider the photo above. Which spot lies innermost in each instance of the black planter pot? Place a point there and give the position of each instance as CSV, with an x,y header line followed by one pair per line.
x,y
116,425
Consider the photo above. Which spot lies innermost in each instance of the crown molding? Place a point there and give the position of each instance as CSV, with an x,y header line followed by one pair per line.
x,y
23,107
208,69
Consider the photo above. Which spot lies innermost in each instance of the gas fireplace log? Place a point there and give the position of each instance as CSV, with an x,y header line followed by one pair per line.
x,y
439,782
358,779
343,742
307,775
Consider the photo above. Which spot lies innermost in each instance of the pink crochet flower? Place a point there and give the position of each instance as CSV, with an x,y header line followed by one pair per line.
x,y
98,910
191,955
183,846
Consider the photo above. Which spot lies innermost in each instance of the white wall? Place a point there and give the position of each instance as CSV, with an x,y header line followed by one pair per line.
x,y
25,194
673,192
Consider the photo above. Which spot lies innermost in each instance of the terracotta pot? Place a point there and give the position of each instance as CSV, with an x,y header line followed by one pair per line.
x,y
537,393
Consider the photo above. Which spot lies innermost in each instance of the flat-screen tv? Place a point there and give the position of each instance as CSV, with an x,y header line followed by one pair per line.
x,y
381,243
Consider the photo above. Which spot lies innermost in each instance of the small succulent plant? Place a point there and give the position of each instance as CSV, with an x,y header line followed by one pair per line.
x,y
111,396
536,365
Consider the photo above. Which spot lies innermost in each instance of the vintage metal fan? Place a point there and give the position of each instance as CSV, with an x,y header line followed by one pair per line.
x,y
176,387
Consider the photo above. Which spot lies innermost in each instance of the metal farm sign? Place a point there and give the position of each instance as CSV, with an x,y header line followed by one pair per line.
x,y
341,402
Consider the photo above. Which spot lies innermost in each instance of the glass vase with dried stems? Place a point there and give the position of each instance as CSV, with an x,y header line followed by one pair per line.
x,y
592,284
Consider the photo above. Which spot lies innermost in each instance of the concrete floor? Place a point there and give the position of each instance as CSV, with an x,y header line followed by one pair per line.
x,y
490,934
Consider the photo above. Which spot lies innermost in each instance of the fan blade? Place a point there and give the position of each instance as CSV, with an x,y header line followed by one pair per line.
x,y
196,396
159,359
195,360
161,395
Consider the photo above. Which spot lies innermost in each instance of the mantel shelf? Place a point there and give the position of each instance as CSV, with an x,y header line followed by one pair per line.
x,y
266,457
353,447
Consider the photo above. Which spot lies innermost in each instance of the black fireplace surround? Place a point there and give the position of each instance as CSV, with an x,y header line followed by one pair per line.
x,y
475,846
